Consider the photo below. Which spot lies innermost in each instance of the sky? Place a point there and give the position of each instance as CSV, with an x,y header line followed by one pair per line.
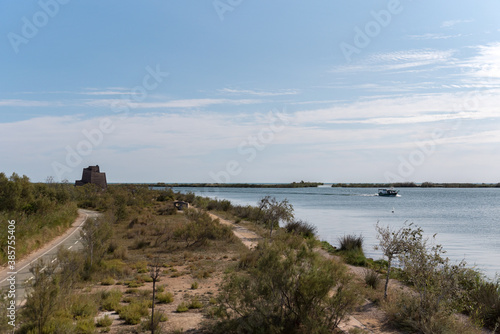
x,y
236,91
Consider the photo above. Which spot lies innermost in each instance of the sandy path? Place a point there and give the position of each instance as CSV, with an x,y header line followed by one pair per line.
x,y
249,238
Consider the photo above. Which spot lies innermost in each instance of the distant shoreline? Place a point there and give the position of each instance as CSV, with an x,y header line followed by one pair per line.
x,y
303,184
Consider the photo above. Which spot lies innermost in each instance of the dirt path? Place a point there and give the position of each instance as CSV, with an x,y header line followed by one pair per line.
x,y
249,238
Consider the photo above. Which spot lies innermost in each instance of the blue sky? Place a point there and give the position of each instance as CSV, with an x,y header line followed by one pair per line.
x,y
251,91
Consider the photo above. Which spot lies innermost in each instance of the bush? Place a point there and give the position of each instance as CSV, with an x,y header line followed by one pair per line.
x,y
110,300
372,278
406,312
165,298
195,304
486,303
351,242
246,212
83,307
288,287
105,321
133,312
329,248
85,326
201,228
108,281
302,228
182,307
194,286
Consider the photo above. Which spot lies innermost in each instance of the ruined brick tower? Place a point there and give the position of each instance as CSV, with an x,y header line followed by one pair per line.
x,y
92,175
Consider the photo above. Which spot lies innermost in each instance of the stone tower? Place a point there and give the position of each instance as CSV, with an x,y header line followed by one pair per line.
x,y
92,175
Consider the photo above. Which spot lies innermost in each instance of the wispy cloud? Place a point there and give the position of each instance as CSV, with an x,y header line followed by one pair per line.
x,y
109,103
258,92
106,92
451,23
29,103
188,103
400,60
434,36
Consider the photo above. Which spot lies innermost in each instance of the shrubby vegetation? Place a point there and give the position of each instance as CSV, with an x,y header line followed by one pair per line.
x,y
439,288
300,184
41,211
285,287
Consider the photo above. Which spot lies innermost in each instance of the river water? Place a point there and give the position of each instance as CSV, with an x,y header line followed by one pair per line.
x,y
466,221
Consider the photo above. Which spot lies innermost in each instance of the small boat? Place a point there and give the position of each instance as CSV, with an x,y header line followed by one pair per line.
x,y
388,192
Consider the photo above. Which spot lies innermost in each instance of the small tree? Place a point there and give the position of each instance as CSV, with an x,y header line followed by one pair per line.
x,y
273,212
154,273
393,243
436,282
95,236
43,296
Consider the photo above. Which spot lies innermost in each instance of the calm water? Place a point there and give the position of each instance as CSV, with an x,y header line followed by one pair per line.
x,y
467,221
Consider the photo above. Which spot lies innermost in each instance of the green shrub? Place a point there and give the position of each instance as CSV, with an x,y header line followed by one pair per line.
x,y
110,300
57,325
182,307
201,228
407,313
486,301
85,326
134,284
133,312
354,257
292,285
105,321
120,253
351,242
194,286
83,307
329,248
301,228
108,281
195,304
144,278
165,297
372,278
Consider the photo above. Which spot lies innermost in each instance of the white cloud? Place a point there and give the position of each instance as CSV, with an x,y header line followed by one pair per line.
x,y
29,103
400,60
451,23
486,63
258,92
434,36
188,103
